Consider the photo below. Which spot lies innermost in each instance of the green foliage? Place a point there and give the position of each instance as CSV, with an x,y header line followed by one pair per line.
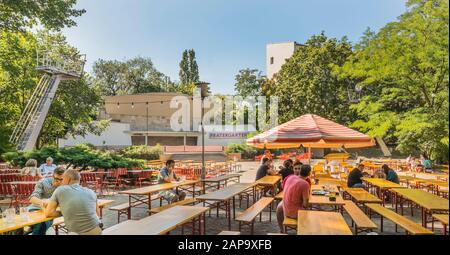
x,y
52,14
189,74
244,149
403,72
79,157
142,152
306,83
133,76
248,82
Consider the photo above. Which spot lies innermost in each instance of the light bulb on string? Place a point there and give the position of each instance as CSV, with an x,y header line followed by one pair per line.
x,y
132,105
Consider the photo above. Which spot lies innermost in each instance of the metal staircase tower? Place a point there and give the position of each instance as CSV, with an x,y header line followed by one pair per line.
x,y
55,69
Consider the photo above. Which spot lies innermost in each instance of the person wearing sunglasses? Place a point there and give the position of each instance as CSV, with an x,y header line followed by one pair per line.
x,y
39,198
78,205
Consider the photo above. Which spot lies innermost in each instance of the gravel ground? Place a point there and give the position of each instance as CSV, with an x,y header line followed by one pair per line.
x,y
215,225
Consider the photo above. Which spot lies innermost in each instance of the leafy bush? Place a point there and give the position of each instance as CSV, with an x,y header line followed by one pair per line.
x,y
142,152
244,149
79,157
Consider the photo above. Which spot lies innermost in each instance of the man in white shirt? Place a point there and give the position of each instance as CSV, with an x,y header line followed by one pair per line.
x,y
47,168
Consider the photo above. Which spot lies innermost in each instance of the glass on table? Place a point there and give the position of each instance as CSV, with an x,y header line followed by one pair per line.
x,y
10,215
24,213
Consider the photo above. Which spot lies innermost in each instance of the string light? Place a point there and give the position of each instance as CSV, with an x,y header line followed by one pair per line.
x,y
132,105
118,105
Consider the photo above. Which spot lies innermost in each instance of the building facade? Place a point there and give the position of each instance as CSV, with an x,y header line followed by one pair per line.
x,y
145,119
277,54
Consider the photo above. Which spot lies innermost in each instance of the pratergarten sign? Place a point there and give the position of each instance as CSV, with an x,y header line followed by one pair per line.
x,y
228,135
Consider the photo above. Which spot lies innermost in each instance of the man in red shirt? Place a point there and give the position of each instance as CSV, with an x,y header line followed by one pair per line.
x,y
295,197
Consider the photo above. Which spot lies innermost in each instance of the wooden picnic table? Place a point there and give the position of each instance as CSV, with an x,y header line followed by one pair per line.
x,y
361,195
144,195
37,217
429,203
162,223
323,200
226,196
270,181
321,223
212,182
381,185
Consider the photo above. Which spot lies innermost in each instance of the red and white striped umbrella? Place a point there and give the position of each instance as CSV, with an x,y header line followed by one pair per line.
x,y
310,131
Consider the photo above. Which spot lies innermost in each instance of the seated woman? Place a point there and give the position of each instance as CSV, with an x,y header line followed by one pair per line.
x,y
31,169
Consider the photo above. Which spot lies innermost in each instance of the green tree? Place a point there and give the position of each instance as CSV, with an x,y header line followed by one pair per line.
x,y
248,82
403,72
306,83
133,76
52,14
188,74
109,77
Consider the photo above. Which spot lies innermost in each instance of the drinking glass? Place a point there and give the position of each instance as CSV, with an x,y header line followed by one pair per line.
x,y
10,215
24,213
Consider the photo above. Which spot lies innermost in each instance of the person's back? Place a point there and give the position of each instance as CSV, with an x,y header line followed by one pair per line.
x,y
30,171
427,164
78,206
261,172
392,176
354,177
296,192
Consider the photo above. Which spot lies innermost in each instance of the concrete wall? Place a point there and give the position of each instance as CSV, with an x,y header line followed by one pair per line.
x,y
114,135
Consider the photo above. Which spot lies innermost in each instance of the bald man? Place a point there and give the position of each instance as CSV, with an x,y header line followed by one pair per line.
x,y
78,206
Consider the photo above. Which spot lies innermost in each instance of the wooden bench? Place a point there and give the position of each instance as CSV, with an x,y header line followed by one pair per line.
x,y
361,221
125,209
229,233
399,220
443,218
279,196
167,206
248,216
289,223
58,224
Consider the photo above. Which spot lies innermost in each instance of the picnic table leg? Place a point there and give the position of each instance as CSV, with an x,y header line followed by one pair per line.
x,y
229,214
234,208
128,210
204,224
270,212
381,223
424,217
193,190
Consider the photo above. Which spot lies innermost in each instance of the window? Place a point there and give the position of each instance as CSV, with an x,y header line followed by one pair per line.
x,y
271,60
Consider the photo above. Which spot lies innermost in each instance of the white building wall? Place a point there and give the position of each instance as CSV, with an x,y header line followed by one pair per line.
x,y
114,135
276,55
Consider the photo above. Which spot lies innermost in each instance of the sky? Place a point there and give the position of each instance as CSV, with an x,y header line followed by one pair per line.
x,y
227,35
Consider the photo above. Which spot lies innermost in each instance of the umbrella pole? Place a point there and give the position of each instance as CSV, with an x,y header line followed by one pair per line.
x,y
309,153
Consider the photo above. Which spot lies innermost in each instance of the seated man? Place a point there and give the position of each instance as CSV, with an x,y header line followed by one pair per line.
x,y
47,168
167,175
265,169
354,177
295,197
390,174
42,192
78,206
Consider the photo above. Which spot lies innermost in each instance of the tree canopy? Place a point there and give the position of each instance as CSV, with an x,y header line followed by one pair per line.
x,y
403,73
248,82
23,14
188,74
133,76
